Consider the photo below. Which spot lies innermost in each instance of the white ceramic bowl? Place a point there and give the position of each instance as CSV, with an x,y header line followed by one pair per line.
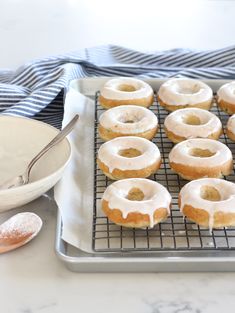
x,y
20,140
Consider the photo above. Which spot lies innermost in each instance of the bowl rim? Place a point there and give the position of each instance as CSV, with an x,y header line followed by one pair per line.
x,y
5,191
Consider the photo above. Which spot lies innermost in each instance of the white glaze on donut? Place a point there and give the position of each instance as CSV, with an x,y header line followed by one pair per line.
x,y
184,91
116,119
110,89
190,195
180,153
210,123
231,124
227,93
108,153
156,196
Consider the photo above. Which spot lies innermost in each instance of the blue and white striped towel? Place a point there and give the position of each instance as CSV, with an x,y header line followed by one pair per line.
x,y
36,89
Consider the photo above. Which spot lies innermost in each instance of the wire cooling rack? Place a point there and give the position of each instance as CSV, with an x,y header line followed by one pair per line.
x,y
174,234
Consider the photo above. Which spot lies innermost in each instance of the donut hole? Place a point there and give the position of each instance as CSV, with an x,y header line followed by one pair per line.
x,y
191,120
129,153
126,119
188,90
129,122
135,194
201,153
126,88
210,193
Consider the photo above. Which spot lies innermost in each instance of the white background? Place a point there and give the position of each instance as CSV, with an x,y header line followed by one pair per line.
x,y
32,279
33,28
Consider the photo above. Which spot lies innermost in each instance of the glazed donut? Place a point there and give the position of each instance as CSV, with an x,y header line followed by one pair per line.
x,y
128,120
230,130
226,97
209,202
128,157
136,202
192,123
179,93
197,158
122,91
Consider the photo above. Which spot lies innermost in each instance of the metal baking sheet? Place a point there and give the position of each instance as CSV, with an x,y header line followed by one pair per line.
x,y
200,251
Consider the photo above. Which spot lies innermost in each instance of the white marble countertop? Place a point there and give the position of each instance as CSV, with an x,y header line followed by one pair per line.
x,y
33,281
32,278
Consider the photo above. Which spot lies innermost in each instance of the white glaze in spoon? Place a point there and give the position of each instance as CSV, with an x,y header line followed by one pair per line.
x,y
18,230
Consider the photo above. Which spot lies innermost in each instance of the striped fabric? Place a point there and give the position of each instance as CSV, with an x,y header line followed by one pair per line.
x,y
35,90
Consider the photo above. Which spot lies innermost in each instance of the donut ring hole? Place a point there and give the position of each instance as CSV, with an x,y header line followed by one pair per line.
x,y
201,153
126,119
126,88
188,90
210,193
129,153
192,120
135,194
129,122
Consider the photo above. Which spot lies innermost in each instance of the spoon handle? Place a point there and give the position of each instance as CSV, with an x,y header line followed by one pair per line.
x,y
59,137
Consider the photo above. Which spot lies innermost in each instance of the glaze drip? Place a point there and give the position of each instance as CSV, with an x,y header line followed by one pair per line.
x,y
210,194
147,197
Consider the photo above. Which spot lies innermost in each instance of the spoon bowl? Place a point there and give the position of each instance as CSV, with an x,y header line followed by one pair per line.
x,y
18,230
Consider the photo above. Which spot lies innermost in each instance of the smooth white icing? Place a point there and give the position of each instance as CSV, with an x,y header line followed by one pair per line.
x,y
115,119
210,123
110,89
184,91
108,153
231,124
156,196
180,153
227,92
190,195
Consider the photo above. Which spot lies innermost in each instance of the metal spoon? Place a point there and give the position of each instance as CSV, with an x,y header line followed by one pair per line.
x,y
24,178
18,230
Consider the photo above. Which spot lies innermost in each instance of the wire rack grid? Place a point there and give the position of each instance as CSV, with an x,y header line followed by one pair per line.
x,y
175,233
